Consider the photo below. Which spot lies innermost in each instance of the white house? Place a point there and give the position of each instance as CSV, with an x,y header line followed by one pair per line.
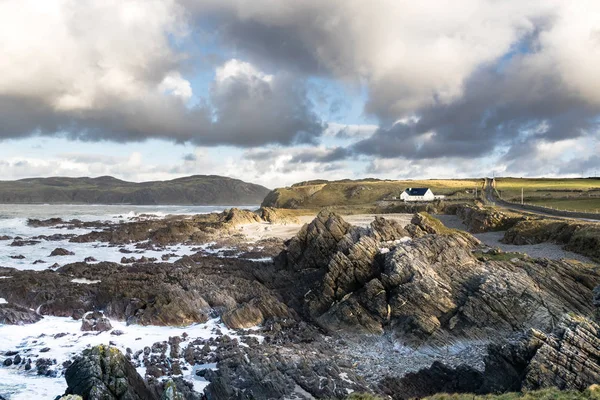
x,y
418,194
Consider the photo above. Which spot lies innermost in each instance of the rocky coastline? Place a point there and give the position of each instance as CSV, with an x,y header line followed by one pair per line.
x,y
392,309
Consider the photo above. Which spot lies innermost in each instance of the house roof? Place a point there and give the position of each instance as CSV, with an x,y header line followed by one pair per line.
x,y
416,191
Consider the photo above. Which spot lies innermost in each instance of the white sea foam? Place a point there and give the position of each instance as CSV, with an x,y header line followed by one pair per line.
x,y
13,223
85,281
48,333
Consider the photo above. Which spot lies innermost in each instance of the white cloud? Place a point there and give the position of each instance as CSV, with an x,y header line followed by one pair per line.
x,y
75,55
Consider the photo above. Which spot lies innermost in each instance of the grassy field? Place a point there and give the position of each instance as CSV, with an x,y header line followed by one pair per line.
x,y
570,204
564,194
352,193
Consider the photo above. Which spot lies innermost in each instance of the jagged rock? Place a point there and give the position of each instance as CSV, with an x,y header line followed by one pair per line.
x,y
95,321
430,288
315,243
568,358
71,397
103,373
259,371
61,252
382,230
12,314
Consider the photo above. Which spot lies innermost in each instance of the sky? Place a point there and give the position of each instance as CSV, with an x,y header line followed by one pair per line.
x,y
280,91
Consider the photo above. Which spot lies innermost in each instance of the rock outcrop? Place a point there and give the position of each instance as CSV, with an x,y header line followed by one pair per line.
x,y
577,236
568,358
103,373
485,219
426,288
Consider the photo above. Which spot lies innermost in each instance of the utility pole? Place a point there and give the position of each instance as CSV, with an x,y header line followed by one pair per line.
x,y
521,196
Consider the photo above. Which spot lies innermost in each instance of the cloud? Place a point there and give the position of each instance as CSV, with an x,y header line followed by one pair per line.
x,y
444,81
111,70
469,76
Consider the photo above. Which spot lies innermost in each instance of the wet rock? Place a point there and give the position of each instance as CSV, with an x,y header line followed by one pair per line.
x,y
42,223
23,242
61,252
17,360
19,257
103,372
7,362
95,321
78,313
12,314
39,262
89,259
44,367
4,237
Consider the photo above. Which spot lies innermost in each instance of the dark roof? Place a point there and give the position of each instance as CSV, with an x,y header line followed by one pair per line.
x,y
416,191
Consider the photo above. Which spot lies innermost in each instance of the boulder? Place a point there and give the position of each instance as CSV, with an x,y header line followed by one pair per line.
x,y
61,252
95,321
103,373
12,314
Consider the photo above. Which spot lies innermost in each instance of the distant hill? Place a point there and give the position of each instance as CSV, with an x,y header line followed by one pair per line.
x,y
321,193
191,190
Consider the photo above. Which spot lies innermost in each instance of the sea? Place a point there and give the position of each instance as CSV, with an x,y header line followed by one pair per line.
x,y
15,382
13,223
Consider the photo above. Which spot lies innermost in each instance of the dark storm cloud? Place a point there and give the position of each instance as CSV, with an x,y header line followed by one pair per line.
x,y
319,156
301,155
497,108
190,157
